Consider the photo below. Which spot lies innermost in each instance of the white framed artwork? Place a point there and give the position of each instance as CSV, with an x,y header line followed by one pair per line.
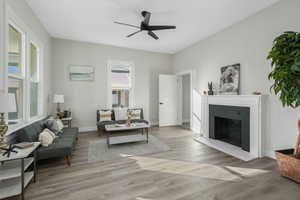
x,y
81,73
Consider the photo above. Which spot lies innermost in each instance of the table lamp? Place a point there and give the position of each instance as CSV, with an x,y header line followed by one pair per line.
x,y
12,105
58,99
3,110
7,104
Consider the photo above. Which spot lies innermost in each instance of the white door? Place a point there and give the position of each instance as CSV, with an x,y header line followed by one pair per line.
x,y
168,100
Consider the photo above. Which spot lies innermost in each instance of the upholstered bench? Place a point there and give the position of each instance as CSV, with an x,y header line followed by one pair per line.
x,y
114,120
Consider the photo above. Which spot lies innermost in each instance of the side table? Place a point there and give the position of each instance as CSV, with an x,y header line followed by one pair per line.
x,y
13,175
67,122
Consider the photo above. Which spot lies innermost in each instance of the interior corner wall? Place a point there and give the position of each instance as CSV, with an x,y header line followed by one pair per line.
x,y
248,43
84,98
24,12
186,100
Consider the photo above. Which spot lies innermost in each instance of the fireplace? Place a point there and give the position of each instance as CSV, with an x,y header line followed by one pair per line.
x,y
230,124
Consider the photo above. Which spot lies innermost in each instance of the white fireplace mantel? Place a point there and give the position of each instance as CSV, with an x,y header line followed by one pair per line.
x,y
257,123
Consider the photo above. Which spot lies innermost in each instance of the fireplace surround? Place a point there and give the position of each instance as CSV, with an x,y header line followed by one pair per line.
x,y
256,105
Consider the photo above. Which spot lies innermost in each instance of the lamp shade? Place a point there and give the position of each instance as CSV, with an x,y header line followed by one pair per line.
x,y
58,98
3,103
12,104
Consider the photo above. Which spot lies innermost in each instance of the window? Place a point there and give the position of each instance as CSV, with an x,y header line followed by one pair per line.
x,y
23,74
16,70
34,80
15,86
121,85
120,98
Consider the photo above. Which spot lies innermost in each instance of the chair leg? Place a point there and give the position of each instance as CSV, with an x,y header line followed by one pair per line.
x,y
68,160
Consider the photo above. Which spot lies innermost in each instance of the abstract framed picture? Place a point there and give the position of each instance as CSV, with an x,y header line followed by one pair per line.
x,y
230,79
81,73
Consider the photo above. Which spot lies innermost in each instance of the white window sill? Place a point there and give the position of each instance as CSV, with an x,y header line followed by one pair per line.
x,y
14,127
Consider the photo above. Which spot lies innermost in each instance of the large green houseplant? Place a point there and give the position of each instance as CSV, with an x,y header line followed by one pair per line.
x,y
285,57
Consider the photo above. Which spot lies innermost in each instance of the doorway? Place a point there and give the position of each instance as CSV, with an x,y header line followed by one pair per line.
x,y
175,100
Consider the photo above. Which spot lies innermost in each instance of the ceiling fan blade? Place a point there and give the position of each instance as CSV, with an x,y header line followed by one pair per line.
x,y
157,28
147,16
153,35
127,25
133,33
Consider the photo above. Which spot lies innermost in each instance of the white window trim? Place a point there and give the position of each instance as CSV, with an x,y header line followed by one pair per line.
x,y
30,37
22,76
131,66
39,79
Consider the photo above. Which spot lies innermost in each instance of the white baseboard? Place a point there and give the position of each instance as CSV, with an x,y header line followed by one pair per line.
x,y
87,129
186,121
154,123
270,154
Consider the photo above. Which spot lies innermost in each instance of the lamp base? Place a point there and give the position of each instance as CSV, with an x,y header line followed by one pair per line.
x,y
8,150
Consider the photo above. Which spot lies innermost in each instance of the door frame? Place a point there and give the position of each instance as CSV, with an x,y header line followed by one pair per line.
x,y
182,73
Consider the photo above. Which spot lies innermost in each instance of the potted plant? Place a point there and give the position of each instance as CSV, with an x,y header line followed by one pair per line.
x,y
285,57
210,88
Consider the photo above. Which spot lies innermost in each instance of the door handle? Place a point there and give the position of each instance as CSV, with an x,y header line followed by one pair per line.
x,y
160,103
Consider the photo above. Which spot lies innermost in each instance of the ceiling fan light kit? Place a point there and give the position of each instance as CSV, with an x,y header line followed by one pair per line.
x,y
146,27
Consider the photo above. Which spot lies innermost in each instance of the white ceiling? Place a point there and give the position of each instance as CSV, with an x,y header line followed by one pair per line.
x,y
92,20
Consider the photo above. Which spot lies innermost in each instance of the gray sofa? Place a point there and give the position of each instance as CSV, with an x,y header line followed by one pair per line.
x,y
63,146
101,124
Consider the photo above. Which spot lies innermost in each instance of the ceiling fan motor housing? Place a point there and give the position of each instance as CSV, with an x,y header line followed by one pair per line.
x,y
144,13
144,27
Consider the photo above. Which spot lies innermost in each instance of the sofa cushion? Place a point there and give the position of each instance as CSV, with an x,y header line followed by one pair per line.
x,y
70,134
70,131
52,125
46,137
60,124
39,126
60,148
138,112
29,134
135,114
105,110
105,115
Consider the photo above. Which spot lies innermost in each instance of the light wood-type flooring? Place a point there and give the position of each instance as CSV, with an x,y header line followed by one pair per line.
x,y
190,171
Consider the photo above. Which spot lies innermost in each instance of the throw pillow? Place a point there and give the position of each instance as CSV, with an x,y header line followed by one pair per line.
x,y
46,137
52,125
105,115
135,114
60,124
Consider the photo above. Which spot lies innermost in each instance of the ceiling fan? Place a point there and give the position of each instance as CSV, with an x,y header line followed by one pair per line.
x,y
146,27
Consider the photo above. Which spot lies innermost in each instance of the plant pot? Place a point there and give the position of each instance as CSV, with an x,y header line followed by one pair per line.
x,y
289,166
210,92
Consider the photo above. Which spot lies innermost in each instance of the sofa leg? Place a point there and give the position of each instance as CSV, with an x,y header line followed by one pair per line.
x,y
68,160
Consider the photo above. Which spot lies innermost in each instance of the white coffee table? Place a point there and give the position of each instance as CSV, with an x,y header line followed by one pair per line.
x,y
121,133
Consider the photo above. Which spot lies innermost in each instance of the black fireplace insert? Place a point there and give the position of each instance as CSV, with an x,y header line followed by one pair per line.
x,y
230,124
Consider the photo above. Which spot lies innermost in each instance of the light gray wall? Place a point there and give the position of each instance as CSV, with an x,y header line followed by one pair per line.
x,y
24,13
2,46
84,98
248,43
186,94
